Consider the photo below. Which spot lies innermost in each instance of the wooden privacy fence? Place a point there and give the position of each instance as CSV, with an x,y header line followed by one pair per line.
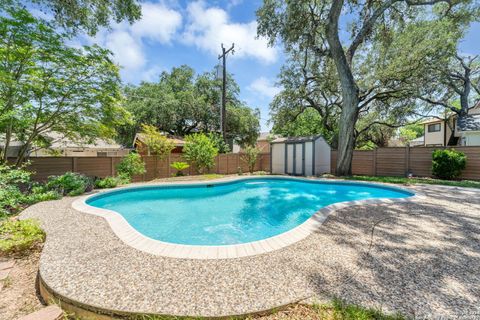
x,y
404,160
106,166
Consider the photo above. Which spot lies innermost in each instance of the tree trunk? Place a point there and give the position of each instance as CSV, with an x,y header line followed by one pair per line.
x,y
8,138
350,93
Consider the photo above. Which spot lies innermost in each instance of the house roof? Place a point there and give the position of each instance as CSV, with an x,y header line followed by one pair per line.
x,y
469,123
59,141
178,141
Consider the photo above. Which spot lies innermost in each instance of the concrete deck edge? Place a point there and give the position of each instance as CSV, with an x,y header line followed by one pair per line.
x,y
133,238
87,311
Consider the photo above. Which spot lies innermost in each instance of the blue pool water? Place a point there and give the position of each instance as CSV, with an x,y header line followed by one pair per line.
x,y
230,213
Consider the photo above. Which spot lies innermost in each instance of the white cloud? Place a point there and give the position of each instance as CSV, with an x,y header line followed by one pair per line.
x,y
158,23
127,50
207,28
264,87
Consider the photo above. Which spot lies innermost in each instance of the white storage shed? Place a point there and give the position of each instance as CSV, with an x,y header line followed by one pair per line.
x,y
301,156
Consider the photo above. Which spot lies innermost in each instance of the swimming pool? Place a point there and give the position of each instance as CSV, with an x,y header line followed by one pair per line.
x,y
230,213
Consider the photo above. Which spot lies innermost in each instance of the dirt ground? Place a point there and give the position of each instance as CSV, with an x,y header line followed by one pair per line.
x,y
18,294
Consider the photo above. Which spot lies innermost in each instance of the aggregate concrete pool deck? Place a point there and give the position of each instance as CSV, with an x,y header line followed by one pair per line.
x,y
420,258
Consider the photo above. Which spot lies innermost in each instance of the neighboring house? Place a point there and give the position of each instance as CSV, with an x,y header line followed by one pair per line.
x,y
141,147
418,142
262,143
64,147
454,131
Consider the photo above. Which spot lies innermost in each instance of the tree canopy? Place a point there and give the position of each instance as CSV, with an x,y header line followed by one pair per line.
x,y
181,103
83,15
47,86
375,64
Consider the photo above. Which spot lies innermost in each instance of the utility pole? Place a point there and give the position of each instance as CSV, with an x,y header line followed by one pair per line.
x,y
223,112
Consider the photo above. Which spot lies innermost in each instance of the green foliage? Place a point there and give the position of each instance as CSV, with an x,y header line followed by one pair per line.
x,y
156,142
17,236
17,190
183,102
78,15
448,163
179,166
403,180
70,184
49,86
107,182
250,157
11,181
200,151
217,139
131,165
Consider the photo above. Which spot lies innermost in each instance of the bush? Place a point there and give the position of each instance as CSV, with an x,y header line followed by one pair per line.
x,y
132,164
448,163
250,157
17,236
179,166
70,183
107,182
200,151
12,181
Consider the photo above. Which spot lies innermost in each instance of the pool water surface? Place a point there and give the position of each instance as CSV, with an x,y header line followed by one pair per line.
x,y
231,212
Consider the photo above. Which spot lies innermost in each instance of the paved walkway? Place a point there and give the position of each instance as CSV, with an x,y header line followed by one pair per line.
x,y
420,258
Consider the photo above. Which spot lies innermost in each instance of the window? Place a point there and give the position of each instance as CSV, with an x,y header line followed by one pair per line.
x,y
434,127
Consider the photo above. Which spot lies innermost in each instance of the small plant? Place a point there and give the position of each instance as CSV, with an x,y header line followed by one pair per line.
x,y
17,236
200,151
131,165
250,156
179,166
70,184
239,171
448,164
107,182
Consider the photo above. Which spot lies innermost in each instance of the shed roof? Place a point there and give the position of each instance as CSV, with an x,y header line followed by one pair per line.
x,y
296,139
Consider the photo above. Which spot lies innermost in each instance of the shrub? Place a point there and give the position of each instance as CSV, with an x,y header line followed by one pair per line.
x,y
200,151
448,164
107,182
219,143
70,183
156,142
132,164
179,166
250,156
17,236
12,181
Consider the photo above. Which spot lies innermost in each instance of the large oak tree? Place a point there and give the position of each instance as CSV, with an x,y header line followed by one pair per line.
x,y
364,42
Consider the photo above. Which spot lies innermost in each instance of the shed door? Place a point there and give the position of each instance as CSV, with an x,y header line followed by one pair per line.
x,y
295,158
299,159
289,157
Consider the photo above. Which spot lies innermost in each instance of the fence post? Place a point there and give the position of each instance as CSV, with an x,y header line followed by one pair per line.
x,y
407,157
169,159
374,162
74,164
112,173
227,163
238,161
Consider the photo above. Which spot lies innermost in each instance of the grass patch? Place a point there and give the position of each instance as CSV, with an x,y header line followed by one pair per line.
x,y
18,236
407,181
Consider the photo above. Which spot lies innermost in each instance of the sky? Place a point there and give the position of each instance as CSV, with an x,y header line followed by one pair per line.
x,y
175,32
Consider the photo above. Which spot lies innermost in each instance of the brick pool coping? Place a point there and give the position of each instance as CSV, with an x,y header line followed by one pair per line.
x,y
133,238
